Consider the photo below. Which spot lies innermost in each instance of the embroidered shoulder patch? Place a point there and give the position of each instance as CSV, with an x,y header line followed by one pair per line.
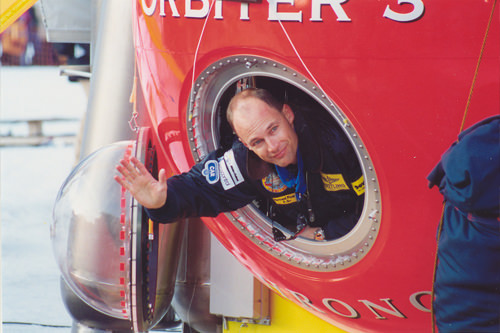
x,y
334,182
359,186
211,171
232,167
230,174
273,183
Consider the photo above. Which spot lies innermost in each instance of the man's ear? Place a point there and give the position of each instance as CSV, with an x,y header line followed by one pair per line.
x,y
244,144
288,113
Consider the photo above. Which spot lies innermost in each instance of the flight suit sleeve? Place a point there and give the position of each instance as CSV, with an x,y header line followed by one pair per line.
x,y
211,187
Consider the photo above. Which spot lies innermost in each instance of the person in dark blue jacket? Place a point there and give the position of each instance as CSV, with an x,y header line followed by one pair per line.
x,y
308,175
467,280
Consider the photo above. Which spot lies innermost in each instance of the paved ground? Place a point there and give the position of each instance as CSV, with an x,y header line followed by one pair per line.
x,y
30,178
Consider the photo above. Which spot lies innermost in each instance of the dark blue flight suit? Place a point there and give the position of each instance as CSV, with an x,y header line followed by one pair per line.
x,y
226,181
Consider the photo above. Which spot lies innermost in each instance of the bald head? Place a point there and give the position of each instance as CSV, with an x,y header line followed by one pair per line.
x,y
264,126
261,94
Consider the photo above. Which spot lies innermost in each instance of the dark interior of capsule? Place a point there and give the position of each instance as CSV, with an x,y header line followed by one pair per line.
x,y
286,93
283,92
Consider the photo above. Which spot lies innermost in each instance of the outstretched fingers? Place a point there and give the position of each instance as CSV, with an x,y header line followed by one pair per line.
x,y
124,179
122,182
128,171
139,167
128,174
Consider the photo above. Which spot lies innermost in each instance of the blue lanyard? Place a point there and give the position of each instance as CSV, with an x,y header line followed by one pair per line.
x,y
290,180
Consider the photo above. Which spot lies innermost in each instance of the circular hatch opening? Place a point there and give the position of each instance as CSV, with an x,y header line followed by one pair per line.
x,y
209,130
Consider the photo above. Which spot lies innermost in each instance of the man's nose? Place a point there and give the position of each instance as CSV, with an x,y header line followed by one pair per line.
x,y
272,145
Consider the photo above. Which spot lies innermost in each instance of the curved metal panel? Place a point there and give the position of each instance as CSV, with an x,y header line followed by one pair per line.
x,y
401,85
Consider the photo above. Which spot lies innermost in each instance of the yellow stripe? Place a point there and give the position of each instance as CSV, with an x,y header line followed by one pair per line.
x,y
11,10
286,317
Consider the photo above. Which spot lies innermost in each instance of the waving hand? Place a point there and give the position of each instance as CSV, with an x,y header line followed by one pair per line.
x,y
149,192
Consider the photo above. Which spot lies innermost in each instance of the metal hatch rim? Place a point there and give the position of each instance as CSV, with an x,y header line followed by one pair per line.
x,y
331,255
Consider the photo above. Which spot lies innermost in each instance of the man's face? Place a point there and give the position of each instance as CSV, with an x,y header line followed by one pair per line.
x,y
266,131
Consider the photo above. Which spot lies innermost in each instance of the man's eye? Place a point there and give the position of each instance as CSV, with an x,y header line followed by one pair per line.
x,y
256,143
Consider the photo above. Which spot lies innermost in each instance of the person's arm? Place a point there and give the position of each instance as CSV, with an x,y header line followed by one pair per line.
x,y
190,194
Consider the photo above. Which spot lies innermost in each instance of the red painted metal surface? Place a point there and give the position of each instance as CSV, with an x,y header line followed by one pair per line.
x,y
404,86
